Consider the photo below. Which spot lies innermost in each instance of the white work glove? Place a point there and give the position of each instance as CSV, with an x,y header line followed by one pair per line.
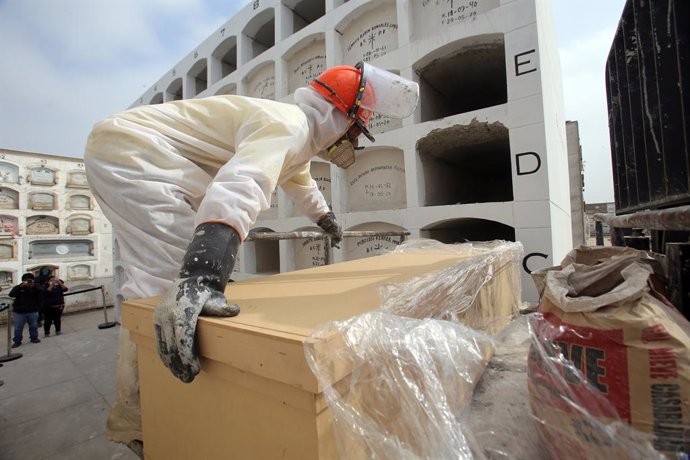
x,y
205,272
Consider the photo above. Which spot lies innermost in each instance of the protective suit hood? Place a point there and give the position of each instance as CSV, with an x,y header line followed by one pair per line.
x,y
326,123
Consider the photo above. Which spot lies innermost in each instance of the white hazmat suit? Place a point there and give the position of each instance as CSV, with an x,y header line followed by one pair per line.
x,y
159,171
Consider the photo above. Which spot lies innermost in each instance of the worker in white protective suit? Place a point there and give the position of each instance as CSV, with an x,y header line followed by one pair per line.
x,y
183,183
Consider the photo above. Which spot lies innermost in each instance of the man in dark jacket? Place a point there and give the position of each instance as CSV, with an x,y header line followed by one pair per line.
x,y
28,298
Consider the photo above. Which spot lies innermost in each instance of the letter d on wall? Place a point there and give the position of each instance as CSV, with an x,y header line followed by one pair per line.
x,y
528,163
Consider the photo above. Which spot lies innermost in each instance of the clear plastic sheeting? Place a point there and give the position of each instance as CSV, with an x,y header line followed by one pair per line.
x,y
482,291
500,416
397,379
410,380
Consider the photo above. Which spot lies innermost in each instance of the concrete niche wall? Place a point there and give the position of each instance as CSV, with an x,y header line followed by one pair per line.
x,y
483,157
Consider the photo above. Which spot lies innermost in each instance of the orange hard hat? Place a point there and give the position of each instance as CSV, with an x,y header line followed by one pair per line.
x,y
343,86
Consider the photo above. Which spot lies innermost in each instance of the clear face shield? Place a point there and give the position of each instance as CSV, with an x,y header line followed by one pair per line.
x,y
386,93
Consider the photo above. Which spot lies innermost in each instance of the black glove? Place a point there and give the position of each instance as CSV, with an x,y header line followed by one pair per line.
x,y
329,225
205,271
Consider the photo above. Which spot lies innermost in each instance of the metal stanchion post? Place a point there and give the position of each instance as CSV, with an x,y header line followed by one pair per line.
x,y
9,356
107,323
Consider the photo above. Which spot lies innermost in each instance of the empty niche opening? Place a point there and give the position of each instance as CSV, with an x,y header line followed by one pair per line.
x,y
308,252
465,230
376,181
174,90
370,246
224,58
198,78
304,12
466,75
266,254
466,164
261,33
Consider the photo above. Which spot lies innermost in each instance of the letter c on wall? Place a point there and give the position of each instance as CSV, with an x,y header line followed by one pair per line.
x,y
530,255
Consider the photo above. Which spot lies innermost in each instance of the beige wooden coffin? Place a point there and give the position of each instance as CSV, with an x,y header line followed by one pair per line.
x,y
256,397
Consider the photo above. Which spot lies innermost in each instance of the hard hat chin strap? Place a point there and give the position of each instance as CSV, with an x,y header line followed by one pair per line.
x,y
360,90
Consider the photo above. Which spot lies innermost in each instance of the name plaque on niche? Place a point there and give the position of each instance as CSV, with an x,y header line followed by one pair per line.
x,y
377,186
371,36
307,70
41,227
265,87
7,200
78,179
324,186
431,14
80,272
42,176
9,173
309,253
380,124
374,246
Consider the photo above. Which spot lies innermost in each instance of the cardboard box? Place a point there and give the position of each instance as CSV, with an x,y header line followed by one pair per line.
x,y
256,397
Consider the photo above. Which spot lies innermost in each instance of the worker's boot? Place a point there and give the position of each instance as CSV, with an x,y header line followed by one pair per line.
x,y
205,272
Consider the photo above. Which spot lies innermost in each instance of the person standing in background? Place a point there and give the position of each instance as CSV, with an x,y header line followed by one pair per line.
x,y
42,281
28,298
54,304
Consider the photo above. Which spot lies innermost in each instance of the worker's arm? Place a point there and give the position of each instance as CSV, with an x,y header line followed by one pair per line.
x,y
205,272
239,192
304,193
242,188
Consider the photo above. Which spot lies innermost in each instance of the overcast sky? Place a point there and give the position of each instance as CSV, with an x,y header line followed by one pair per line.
x,y
68,63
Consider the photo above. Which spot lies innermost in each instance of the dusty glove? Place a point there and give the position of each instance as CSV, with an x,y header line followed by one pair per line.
x,y
205,271
329,225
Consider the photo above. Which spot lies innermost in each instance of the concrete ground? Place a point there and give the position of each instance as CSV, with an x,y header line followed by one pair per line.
x,y
55,398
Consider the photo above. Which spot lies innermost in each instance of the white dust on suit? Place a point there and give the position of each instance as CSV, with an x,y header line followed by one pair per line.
x,y
158,171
